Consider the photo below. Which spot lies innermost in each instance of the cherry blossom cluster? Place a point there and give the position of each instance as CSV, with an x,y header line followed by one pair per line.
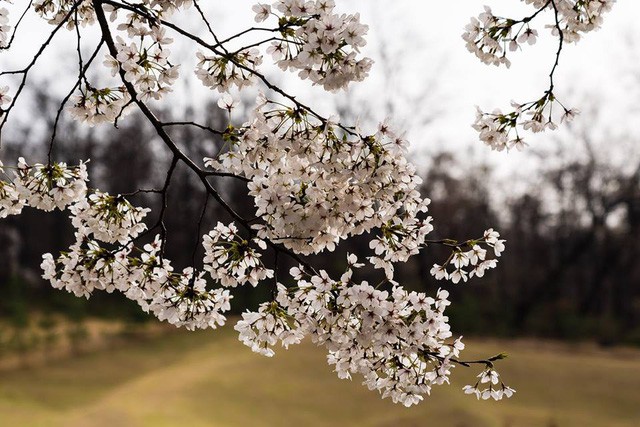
x,y
490,377
181,299
59,186
143,57
398,341
143,275
146,63
320,44
500,130
223,73
4,29
575,17
270,325
399,239
466,264
231,260
489,37
95,106
108,218
44,187
47,187
58,11
185,301
314,184
84,268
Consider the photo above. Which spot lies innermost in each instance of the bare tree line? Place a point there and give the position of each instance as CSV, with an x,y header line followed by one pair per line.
x,y
571,270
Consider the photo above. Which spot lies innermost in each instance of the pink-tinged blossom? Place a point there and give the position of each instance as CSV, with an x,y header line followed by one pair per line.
x,y
108,218
232,260
49,187
262,11
321,45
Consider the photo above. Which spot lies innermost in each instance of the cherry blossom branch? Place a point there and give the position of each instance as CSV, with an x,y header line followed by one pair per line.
x,y
199,228
82,73
25,71
314,182
158,126
488,37
467,363
206,21
164,204
560,45
229,57
194,124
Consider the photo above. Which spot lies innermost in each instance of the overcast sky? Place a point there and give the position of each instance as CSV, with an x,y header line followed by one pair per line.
x,y
433,77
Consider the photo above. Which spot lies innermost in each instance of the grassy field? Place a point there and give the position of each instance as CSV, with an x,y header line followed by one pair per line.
x,y
210,379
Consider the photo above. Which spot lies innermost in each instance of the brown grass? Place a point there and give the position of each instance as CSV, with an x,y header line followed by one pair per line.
x,y
210,379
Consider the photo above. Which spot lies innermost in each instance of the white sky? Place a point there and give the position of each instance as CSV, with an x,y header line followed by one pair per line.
x,y
424,39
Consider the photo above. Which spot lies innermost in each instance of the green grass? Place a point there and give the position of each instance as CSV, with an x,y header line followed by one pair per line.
x,y
210,379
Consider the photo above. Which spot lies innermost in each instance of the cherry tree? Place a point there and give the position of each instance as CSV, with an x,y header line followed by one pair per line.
x,y
315,181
